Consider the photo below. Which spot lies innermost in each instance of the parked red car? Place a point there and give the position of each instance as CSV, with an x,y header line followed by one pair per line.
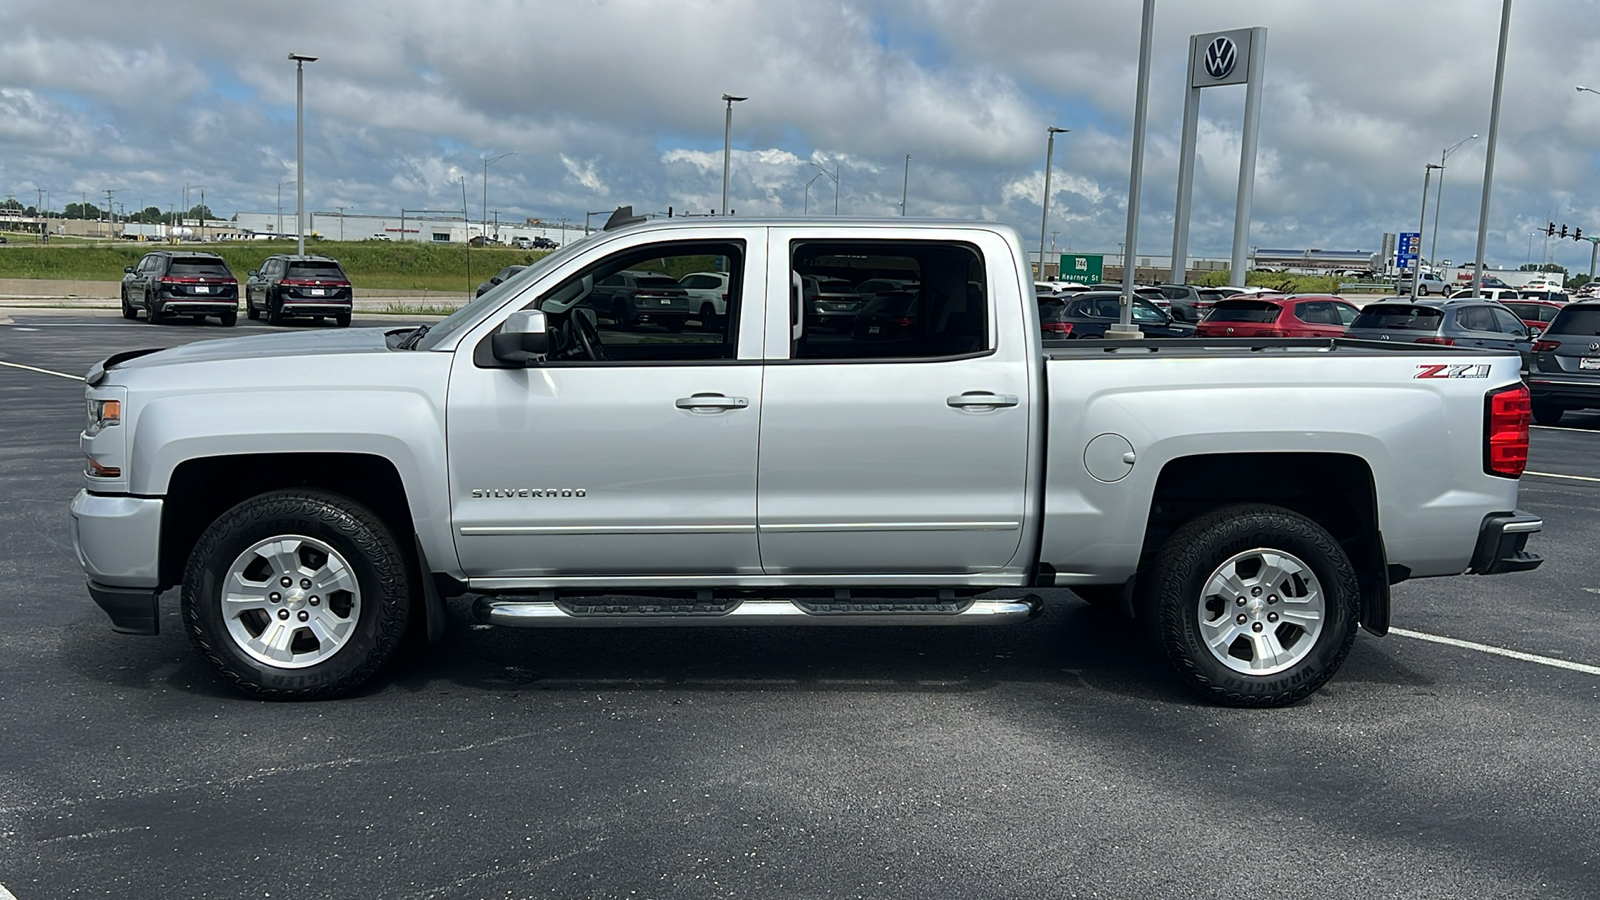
x,y
1301,315
1534,313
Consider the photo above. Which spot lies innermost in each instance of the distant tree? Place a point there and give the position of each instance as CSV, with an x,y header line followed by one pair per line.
x,y
12,204
150,214
199,212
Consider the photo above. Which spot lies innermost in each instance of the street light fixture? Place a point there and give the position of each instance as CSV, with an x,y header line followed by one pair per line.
x,y
300,61
835,176
1591,90
486,162
806,208
1438,195
1044,218
727,137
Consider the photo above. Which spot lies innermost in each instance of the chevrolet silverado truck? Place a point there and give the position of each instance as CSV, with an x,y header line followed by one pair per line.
x,y
1248,502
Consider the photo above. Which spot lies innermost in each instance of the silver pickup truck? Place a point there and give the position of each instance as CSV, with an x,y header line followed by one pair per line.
x,y
925,460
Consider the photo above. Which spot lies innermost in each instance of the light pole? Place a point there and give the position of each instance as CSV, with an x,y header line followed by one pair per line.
x,y
835,176
1438,195
727,137
1416,270
1527,258
1125,329
585,224
300,150
280,205
904,184
1044,217
806,208
1488,153
486,162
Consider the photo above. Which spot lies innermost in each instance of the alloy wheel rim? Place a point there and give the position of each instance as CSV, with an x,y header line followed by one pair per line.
x,y
1261,611
290,601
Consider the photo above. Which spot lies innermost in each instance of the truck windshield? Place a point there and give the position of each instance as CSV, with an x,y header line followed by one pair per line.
x,y
1398,318
469,313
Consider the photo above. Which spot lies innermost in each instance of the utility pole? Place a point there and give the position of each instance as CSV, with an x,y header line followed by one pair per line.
x,y
341,223
108,208
905,183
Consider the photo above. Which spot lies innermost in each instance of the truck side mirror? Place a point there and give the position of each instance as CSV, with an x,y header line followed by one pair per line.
x,y
524,336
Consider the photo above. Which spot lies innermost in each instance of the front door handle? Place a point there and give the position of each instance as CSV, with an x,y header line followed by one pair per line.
x,y
981,400
710,402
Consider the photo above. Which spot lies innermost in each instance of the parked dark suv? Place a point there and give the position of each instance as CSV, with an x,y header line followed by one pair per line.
x,y
288,285
169,283
1566,364
1455,323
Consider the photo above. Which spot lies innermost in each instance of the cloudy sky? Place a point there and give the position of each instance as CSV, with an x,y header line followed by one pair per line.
x,y
609,102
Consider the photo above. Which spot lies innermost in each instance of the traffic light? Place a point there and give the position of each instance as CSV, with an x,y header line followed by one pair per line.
x,y
1577,234
1563,229
1550,230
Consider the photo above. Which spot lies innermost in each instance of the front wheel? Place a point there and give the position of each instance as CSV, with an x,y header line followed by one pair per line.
x,y
128,312
1253,605
296,595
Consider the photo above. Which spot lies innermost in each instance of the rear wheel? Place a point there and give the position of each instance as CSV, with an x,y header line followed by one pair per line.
x,y
296,595
342,320
274,311
230,318
708,318
1545,414
620,317
1253,605
154,313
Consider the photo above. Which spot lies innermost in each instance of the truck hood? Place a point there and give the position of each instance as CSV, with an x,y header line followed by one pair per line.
x,y
309,343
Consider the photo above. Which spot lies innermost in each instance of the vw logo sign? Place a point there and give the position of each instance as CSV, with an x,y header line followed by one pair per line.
x,y
1594,346
1220,57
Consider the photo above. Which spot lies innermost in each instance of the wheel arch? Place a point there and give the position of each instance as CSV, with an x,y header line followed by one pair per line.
x,y
203,488
1335,490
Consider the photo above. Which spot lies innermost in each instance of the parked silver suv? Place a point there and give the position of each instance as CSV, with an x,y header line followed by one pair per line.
x,y
1455,323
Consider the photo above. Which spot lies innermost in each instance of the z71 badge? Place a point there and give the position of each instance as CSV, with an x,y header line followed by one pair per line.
x,y
1453,370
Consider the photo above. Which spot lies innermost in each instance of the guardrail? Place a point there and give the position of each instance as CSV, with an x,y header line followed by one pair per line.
x,y
1366,287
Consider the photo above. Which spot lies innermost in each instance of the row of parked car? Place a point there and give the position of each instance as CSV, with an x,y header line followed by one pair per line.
x,y
169,285
1558,338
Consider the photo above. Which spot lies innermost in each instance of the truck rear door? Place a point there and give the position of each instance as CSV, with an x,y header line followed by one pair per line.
x,y
897,442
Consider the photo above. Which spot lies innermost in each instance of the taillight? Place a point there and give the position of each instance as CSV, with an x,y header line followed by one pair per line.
x,y
1448,342
1270,332
901,320
1056,327
1543,346
1505,431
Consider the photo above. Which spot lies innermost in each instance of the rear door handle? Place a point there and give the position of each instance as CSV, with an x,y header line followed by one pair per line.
x,y
981,400
710,402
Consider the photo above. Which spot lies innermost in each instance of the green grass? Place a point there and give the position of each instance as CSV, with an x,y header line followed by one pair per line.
x,y
1289,284
370,264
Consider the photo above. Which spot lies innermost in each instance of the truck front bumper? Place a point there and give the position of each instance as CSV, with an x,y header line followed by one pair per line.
x,y
118,542
1501,540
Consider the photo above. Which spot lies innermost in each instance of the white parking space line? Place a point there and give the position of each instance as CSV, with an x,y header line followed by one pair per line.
x,y
1554,475
1565,428
5,894
41,372
1499,651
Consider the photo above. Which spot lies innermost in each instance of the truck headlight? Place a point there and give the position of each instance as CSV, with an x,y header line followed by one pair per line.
x,y
102,415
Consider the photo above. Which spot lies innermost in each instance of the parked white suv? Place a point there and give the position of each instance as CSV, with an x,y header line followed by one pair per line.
x,y
708,297
1431,283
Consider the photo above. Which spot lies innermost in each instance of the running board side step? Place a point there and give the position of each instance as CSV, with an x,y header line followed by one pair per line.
x,y
528,613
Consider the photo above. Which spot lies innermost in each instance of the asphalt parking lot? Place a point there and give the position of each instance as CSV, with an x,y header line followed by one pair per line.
x,y
1051,759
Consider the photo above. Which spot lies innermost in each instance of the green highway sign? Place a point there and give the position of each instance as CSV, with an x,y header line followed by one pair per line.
x,y
1083,269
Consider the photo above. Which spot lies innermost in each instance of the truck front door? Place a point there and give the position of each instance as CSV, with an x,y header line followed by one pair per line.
x,y
643,463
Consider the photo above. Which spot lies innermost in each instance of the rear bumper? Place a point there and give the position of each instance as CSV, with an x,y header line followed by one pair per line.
x,y
189,307
1501,540
317,307
1564,391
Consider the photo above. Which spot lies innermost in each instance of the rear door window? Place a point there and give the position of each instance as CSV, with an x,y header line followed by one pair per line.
x,y
917,300
1382,317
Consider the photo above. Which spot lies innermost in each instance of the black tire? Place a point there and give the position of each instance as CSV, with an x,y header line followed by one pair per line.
x,y
230,318
375,560
1545,414
128,311
250,310
342,320
620,318
1172,601
275,314
154,314
708,318
675,325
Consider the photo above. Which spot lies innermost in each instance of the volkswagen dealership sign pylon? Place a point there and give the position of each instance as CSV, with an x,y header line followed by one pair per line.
x,y
1215,59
